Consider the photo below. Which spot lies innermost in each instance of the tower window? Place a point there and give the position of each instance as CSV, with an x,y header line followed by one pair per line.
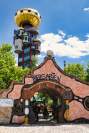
x,y
36,13
26,38
21,10
29,10
16,47
33,47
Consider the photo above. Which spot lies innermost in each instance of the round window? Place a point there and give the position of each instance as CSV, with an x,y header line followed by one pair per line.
x,y
86,103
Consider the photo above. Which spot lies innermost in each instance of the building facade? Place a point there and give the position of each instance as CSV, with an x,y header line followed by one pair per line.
x,y
50,78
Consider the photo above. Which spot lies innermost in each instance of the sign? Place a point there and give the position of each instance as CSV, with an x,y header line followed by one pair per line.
x,y
50,76
6,103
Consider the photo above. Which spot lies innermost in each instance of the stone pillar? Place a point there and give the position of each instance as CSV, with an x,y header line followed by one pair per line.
x,y
26,110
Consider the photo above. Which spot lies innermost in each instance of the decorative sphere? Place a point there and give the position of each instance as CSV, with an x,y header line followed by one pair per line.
x,y
50,53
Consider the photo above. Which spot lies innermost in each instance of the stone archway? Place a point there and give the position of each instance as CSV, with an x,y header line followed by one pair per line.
x,y
54,89
29,90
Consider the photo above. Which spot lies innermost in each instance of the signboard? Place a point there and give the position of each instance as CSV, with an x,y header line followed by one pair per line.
x,y
50,76
6,103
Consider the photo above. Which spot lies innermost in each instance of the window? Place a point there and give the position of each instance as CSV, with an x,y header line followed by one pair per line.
x,y
86,103
25,34
26,58
20,32
29,10
16,32
25,39
36,13
33,47
16,47
21,10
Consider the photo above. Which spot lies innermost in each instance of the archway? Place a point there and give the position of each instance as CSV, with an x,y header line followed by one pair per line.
x,y
55,92
28,91
51,106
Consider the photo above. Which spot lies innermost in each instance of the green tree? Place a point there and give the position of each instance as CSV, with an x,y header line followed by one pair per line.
x,y
7,64
8,69
76,70
87,73
43,97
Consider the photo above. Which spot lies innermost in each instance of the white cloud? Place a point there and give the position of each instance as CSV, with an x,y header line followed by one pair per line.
x,y
70,47
86,9
49,37
87,35
61,33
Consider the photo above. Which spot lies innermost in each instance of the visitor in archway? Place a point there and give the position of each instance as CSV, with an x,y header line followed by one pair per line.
x,y
53,111
57,113
36,110
32,118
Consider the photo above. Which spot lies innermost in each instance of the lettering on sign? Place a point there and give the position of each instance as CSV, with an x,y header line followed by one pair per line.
x,y
6,103
51,76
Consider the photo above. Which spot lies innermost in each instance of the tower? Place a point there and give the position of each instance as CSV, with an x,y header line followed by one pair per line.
x,y
26,42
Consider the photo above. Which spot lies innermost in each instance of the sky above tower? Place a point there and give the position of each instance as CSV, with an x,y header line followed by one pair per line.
x,y
64,27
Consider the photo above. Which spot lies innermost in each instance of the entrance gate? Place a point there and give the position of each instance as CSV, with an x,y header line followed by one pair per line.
x,y
49,78
53,89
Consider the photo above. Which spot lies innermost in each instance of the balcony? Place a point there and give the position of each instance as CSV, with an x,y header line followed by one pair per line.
x,y
36,41
35,49
18,46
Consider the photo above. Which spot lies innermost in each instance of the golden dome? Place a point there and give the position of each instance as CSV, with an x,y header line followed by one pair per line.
x,y
29,16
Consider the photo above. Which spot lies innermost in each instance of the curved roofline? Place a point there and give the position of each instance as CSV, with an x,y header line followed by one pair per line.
x,y
59,68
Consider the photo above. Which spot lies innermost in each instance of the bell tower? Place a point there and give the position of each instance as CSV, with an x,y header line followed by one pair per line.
x,y
26,41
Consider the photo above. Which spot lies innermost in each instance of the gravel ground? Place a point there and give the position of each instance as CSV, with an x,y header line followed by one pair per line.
x,y
46,129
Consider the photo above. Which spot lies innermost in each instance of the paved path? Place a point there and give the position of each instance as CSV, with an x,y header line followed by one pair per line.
x,y
46,129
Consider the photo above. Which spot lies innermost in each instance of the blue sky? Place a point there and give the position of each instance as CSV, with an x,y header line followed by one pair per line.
x,y
64,27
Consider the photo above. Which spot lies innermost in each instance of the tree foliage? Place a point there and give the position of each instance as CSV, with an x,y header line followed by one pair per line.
x,y
8,69
76,70
87,73
43,97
